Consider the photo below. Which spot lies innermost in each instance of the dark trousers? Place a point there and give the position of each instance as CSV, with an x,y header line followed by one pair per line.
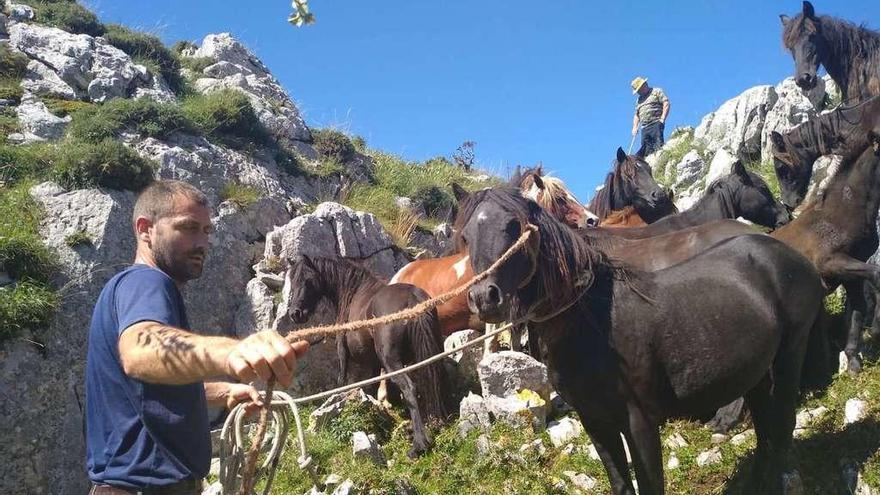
x,y
652,138
185,487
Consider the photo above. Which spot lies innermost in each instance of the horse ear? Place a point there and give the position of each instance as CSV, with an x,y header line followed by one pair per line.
x,y
784,18
459,192
740,170
539,182
809,11
621,155
539,170
778,142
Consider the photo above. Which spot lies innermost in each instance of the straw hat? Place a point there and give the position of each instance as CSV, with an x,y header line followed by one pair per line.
x,y
637,83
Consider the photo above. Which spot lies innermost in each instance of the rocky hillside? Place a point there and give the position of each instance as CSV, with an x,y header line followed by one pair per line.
x,y
89,113
739,129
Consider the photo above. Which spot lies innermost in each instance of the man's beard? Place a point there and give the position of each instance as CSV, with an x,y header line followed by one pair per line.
x,y
179,267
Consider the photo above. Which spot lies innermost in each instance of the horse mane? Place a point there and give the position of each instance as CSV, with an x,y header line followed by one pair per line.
x,y
611,196
349,279
836,132
853,47
520,174
565,257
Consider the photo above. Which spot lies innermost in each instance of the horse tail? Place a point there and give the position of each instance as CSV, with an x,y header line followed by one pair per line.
x,y
432,381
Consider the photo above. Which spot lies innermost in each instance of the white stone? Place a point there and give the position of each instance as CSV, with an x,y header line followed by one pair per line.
x,y
792,484
536,446
673,462
712,456
37,122
738,124
688,170
364,445
345,488
581,481
507,372
721,165
718,438
855,411
19,12
563,431
741,438
473,414
675,441
593,453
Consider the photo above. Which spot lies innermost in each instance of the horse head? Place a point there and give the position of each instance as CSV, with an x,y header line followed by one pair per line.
x,y
793,173
306,288
634,185
802,36
748,196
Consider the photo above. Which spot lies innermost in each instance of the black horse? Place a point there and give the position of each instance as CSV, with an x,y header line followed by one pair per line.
x,y
845,131
358,295
850,53
629,350
631,183
738,194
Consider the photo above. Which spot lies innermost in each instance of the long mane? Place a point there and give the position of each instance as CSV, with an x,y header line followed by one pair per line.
x,y
842,131
612,195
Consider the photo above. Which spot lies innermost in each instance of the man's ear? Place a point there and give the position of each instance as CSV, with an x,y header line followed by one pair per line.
x,y
142,227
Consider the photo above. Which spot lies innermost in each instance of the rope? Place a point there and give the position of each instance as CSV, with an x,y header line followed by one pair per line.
x,y
422,307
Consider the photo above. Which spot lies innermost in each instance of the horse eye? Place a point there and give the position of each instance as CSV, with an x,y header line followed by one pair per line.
x,y
512,228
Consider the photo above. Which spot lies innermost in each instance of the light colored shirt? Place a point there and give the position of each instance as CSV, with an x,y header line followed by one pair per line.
x,y
649,107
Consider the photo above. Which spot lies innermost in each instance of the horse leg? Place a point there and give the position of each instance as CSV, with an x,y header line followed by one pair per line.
x,y
342,354
855,294
516,337
644,445
609,446
759,401
391,359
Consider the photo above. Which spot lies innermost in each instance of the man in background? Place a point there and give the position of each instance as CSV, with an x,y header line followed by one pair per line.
x,y
652,108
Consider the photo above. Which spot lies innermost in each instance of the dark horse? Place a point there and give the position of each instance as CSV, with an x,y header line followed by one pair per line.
x,y
738,194
838,233
631,183
358,295
844,131
850,53
628,350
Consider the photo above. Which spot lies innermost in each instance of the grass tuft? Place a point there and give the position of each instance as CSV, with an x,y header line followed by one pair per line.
x,y
67,15
333,145
145,116
226,117
78,238
107,163
240,195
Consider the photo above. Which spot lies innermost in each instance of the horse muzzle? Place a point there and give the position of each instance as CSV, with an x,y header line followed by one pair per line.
x,y
806,81
299,315
488,302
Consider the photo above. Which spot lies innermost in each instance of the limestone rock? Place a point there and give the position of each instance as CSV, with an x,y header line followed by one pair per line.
x,y
741,438
364,445
792,107
738,124
468,359
240,69
563,431
484,445
673,462
581,481
536,446
675,441
41,79
855,411
519,411
473,414
19,12
257,312
721,165
505,373
688,170
37,122
805,418
712,456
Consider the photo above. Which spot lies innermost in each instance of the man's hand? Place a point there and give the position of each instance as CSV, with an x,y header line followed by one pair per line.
x,y
635,131
264,355
228,395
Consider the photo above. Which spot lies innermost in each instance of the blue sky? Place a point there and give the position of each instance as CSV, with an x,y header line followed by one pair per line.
x,y
527,81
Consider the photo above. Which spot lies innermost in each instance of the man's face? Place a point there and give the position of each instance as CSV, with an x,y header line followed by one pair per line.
x,y
643,90
180,241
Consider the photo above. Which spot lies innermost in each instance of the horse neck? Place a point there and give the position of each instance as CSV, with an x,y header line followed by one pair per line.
x,y
718,204
345,282
846,43
855,190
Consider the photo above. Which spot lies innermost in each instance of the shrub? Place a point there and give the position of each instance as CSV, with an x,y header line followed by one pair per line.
x,y
67,15
19,162
226,117
12,69
147,48
25,305
197,64
144,116
437,202
333,145
179,46
239,194
8,123
288,161
62,107
767,172
360,144
361,417
108,163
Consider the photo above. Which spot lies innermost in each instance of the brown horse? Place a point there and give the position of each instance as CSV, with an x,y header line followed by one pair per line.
x,y
551,194
628,217
359,295
850,53
631,183
838,233
629,350
439,275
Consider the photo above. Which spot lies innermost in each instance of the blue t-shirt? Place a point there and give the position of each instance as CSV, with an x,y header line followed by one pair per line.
x,y
140,434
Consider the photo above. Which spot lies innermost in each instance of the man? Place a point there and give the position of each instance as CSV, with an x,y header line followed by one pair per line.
x,y
146,399
652,108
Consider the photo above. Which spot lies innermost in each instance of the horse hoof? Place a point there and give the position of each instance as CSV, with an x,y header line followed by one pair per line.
x,y
855,366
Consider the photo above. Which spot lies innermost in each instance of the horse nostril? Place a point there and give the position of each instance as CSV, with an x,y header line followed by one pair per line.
x,y
297,314
494,295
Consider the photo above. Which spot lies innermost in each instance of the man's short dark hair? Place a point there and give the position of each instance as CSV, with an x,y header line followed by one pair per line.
x,y
156,201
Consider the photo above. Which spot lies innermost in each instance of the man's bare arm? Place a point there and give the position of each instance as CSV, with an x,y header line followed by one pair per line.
x,y
665,111
635,128
157,353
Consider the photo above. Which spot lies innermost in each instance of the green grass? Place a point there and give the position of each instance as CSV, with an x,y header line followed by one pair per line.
x,y
108,163
333,145
62,107
29,302
25,161
454,465
8,123
197,64
149,49
78,238
67,15
766,171
12,69
144,116
239,194
673,154
226,117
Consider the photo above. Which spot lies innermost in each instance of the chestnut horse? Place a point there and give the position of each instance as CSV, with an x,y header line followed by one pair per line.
x,y
439,275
